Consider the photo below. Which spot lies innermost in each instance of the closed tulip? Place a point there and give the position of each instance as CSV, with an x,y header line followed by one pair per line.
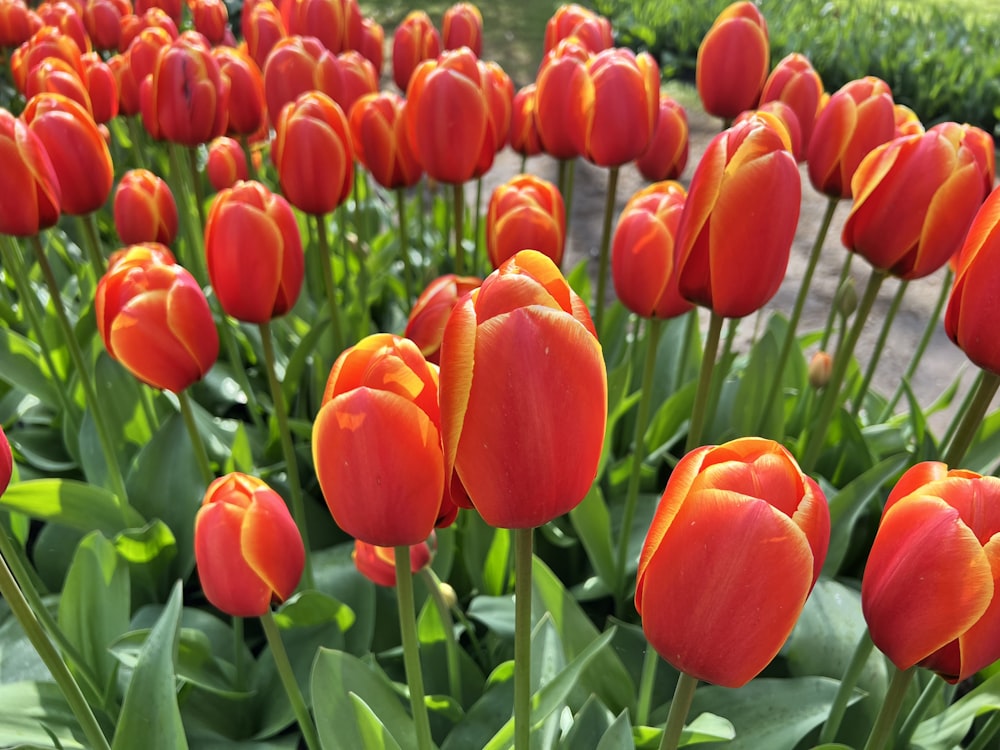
x,y
296,65
154,319
378,564
644,252
27,180
102,19
211,19
525,213
667,153
66,18
560,83
462,26
173,8
262,30
45,43
571,20
929,592
414,41
246,113
313,153
153,18
733,61
102,86
377,444
744,197
795,82
499,92
227,163
788,119
55,76
425,325
248,550
354,77
132,67
856,119
144,209
371,43
323,19
523,395
941,185
254,253
17,23
736,545
524,138
378,134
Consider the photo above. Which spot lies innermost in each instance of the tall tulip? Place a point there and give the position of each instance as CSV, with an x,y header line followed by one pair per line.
x,y
378,134
462,26
27,179
733,61
559,85
795,82
144,209
427,319
525,213
736,545
667,153
414,41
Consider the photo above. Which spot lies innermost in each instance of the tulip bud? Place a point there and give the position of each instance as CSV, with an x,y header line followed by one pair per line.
x,y
524,138
415,40
152,18
227,163
820,370
371,43
173,8
667,153
144,209
525,213
378,564
462,26
248,550
733,61
27,179
67,19
907,121
430,312
795,82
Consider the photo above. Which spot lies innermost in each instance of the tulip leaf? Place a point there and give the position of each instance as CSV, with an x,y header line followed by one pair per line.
x,y
753,413
22,366
342,680
982,454
374,735
77,505
313,608
435,652
495,612
336,573
486,552
149,551
592,522
589,725
42,449
35,712
150,717
300,356
619,735
946,730
706,728
669,422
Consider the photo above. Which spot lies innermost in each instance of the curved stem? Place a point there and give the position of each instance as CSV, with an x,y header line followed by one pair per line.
x,y
291,463
845,270
287,675
704,383
647,679
971,419
679,708
323,259
433,584
411,655
883,336
459,211
404,246
844,691
92,241
927,696
881,735
200,454
602,268
522,638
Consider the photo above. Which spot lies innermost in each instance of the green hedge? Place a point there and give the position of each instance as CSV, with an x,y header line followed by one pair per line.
x,y
941,61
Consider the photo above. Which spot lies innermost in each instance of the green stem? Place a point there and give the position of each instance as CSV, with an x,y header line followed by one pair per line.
x,y
524,162
890,316
194,262
411,655
92,242
605,256
248,153
986,733
846,688
704,383
881,735
476,249
83,372
433,584
138,142
962,409
679,708
690,332
68,686
287,676
199,194
845,352
200,454
328,284
568,192
522,638
459,204
831,316
239,641
291,463
927,696
653,330
647,679
972,419
404,246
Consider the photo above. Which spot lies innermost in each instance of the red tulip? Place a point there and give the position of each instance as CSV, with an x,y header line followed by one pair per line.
x,y
377,444
295,66
415,40
211,19
733,61
644,252
247,108
378,564
27,180
795,82
55,76
788,119
378,134
746,185
45,43
524,138
354,77
560,83
17,23
227,163
67,19
979,142
155,320
525,213
667,153
736,545
173,8
462,26
132,27
248,550
574,21
144,209
262,29
323,19
131,68
523,395
425,326
102,87
499,92
254,253
930,584
371,43
103,19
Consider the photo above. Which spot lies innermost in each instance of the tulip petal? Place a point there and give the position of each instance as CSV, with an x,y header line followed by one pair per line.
x,y
267,527
457,364
226,578
980,644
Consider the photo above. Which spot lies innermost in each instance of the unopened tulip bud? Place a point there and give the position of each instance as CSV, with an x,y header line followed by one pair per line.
x,y
820,369
448,595
847,298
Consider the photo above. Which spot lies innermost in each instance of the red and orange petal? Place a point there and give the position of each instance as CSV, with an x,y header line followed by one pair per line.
x,y
228,580
268,528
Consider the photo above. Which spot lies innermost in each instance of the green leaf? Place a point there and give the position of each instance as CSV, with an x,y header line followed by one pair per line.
x,y
29,711
486,552
22,366
592,522
589,725
754,414
70,503
946,730
619,735
313,608
149,551
150,717
706,728
336,573
374,735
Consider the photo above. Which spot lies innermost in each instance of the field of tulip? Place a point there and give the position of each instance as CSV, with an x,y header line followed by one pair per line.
x,y
269,356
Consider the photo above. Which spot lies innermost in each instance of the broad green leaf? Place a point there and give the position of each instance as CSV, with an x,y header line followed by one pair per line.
x,y
982,454
487,716
547,661
22,366
619,735
670,420
374,735
314,608
42,449
754,414
705,729
335,573
486,552
28,709
495,612
946,730
588,727
149,551
70,503
150,717
592,522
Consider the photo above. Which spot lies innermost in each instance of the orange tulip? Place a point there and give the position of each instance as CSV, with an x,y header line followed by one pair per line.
x,y
262,29
907,121
377,444
523,395
295,66
855,120
313,153
425,326
462,26
524,138
788,119
746,185
211,19
940,183
254,253
736,545
644,252
591,30
929,592
378,564
227,163
27,180
45,43
795,82
733,61
979,142
378,134
144,209
155,320
415,40
667,153
560,83
323,19
499,92
248,550
55,76
525,213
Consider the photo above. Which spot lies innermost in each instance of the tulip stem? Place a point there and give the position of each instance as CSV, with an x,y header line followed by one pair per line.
x,y
845,352
287,675
927,696
690,332
200,454
92,242
800,302
459,205
831,315
411,654
971,419
326,270
882,735
404,246
239,641
194,261
602,269
890,316
68,685
654,328
522,638
679,708
960,412
199,194
704,383
476,246
83,372
846,688
647,679
986,733
567,172
135,134
433,584
287,448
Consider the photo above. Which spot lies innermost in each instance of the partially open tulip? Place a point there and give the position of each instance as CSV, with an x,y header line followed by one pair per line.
x,y
377,444
795,82
929,592
941,185
667,153
248,550
571,20
733,61
144,209
744,197
323,19
979,142
523,395
227,163
736,545
525,213
378,133
644,252
425,325
907,121
414,41
254,252
27,179
462,26
523,137
155,320
378,564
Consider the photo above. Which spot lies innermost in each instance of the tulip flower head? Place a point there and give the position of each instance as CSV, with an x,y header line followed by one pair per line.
x,y
559,85
227,163
248,550
736,545
246,114
17,23
523,137
733,61
378,133
414,41
144,209
667,153
525,213
930,588
27,179
573,21
462,26
907,121
378,564
425,325
795,82
323,19
262,29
